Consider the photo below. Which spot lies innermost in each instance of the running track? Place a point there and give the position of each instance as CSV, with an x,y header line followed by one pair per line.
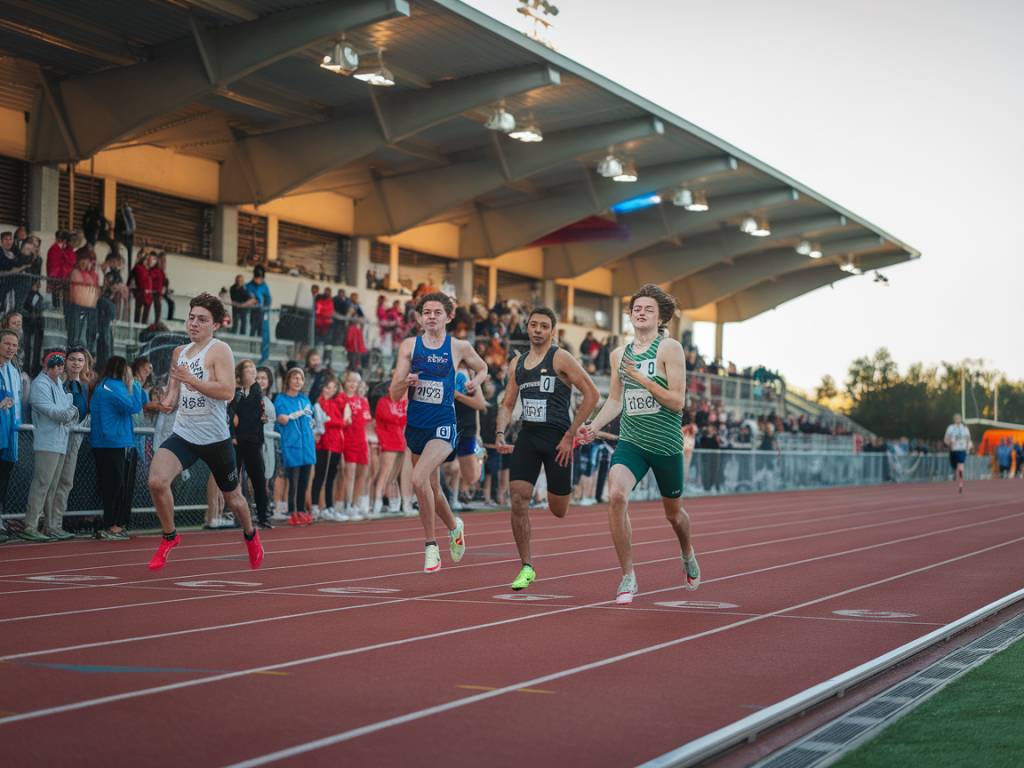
x,y
394,667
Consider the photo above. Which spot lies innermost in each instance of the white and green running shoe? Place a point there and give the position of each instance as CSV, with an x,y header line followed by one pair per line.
x,y
525,578
627,588
431,559
457,540
692,571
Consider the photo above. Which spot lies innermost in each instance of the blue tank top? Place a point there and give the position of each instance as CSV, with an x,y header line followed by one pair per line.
x,y
432,403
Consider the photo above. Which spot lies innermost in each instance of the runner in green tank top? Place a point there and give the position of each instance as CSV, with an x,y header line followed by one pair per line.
x,y
648,388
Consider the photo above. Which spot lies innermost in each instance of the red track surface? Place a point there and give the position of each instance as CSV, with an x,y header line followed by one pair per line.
x,y
137,669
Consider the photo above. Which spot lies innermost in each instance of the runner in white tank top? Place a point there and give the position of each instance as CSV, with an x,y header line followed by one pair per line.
x,y
202,381
200,419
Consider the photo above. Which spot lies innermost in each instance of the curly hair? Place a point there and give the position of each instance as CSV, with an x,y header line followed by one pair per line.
x,y
210,303
443,298
667,304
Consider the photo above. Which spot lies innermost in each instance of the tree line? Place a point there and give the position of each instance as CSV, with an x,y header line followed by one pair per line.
x,y
920,402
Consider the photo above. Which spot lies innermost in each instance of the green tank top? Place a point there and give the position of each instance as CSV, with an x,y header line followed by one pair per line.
x,y
646,423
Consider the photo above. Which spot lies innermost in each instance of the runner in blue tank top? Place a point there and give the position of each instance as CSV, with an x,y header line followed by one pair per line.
x,y
425,368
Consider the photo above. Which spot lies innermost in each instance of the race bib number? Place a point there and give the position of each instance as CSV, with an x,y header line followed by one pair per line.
x,y
431,392
647,367
193,403
444,433
547,384
641,403
535,410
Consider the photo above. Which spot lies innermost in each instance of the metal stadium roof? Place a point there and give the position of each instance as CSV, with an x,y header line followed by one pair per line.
x,y
238,81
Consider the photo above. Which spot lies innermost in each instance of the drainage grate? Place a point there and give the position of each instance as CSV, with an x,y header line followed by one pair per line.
x,y
828,743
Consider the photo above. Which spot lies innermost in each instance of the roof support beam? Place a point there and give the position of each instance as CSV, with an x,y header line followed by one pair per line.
x,y
667,262
722,280
139,93
413,198
516,226
770,294
280,161
646,228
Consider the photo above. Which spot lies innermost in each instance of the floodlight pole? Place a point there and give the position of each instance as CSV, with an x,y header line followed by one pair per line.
x,y
995,405
963,392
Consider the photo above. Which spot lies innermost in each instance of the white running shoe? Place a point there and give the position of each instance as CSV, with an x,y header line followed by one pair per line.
x,y
457,540
316,512
340,514
353,513
456,505
378,507
431,559
627,588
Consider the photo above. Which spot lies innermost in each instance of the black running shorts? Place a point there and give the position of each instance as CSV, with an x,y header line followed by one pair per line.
x,y
219,457
536,448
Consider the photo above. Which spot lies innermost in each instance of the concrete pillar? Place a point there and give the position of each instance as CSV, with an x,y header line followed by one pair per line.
x,y
43,198
359,263
110,199
271,238
492,285
393,267
549,294
570,304
225,234
463,279
617,316
719,333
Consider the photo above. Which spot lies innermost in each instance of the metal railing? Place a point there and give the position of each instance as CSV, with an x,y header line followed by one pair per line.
x,y
738,393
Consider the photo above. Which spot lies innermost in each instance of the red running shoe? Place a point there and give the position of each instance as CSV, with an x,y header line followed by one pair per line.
x,y
160,558
296,519
255,550
307,518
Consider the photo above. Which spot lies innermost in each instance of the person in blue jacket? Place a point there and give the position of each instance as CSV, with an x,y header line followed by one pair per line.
x,y
115,399
298,448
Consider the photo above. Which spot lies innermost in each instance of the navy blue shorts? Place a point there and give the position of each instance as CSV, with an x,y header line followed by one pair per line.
x,y
418,437
493,465
957,457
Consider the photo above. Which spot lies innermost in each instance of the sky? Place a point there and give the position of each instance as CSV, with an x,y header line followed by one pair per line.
x,y
910,114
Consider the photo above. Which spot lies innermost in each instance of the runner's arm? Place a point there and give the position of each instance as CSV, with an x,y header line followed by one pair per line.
x,y
673,396
570,367
475,401
403,364
508,403
221,384
475,363
613,405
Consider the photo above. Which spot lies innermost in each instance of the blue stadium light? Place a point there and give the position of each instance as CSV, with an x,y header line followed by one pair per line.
x,y
637,203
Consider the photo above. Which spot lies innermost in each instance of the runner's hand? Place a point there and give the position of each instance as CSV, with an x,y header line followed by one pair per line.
x,y
563,453
412,380
585,435
501,446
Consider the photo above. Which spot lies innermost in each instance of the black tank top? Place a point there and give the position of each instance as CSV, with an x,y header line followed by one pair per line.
x,y
544,396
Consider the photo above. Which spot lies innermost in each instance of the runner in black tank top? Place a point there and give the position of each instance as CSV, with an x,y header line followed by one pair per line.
x,y
542,379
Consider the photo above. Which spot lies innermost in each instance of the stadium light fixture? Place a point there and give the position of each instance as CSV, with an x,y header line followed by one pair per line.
x,y
343,60
804,248
609,166
379,75
501,120
628,173
762,228
528,134
691,201
748,225
815,252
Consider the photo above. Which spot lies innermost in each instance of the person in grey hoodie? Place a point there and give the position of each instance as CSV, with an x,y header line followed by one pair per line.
x,y
53,412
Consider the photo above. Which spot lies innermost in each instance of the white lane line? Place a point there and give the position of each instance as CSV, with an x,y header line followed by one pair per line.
x,y
646,510
89,703
393,555
274,590
338,738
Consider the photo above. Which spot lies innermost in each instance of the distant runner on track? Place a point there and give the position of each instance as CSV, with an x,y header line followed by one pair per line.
x,y
958,439
543,378
648,387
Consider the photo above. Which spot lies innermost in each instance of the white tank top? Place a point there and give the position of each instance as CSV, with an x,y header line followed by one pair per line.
x,y
200,419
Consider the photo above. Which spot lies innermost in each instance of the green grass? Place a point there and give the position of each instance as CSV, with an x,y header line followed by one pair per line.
x,y
977,720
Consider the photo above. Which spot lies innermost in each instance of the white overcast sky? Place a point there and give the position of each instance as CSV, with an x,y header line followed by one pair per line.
x,y
910,113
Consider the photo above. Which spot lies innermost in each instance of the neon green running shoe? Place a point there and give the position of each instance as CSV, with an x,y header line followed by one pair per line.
x,y
525,578
692,571
457,540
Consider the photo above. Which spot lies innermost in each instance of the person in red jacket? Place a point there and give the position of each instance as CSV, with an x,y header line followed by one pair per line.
x,y
157,282
323,306
60,260
356,450
332,413
143,288
390,417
